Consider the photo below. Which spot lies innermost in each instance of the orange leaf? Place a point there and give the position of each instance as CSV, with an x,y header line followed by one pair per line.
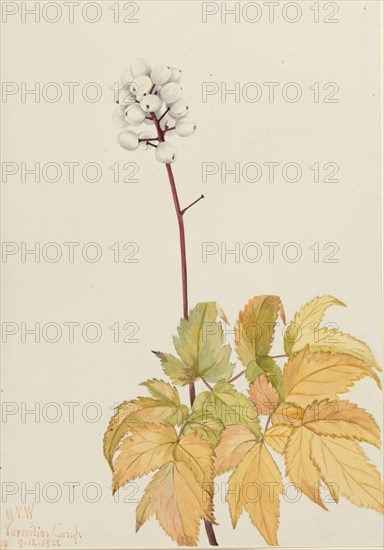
x,y
263,395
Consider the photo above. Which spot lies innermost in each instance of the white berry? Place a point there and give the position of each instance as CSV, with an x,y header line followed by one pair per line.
x,y
166,153
176,75
179,109
185,127
152,97
142,84
118,118
150,103
129,140
171,92
140,67
145,135
160,74
134,115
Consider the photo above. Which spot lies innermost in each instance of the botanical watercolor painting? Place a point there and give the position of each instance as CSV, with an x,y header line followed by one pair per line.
x,y
296,404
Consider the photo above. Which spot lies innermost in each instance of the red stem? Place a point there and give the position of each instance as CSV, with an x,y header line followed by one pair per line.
x,y
183,254
184,278
210,533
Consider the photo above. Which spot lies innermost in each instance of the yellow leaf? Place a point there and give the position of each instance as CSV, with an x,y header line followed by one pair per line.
x,y
343,463
325,426
255,486
301,469
198,455
234,443
166,408
341,419
309,376
277,436
305,321
178,501
255,327
148,448
263,395
332,341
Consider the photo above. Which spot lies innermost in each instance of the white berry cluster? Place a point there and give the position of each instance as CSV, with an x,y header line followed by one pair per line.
x,y
152,97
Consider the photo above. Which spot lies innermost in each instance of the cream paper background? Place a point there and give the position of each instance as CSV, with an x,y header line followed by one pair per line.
x,y
148,292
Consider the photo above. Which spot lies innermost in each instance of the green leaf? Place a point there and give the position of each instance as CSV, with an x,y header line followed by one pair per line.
x,y
199,345
166,409
208,428
180,373
266,365
229,406
164,392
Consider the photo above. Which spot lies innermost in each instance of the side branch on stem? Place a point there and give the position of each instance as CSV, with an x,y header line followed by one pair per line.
x,y
163,115
206,383
192,203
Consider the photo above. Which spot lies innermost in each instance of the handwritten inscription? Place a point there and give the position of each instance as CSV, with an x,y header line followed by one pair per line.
x,y
22,530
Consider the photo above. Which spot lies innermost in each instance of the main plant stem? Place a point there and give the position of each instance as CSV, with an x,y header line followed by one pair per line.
x,y
184,279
